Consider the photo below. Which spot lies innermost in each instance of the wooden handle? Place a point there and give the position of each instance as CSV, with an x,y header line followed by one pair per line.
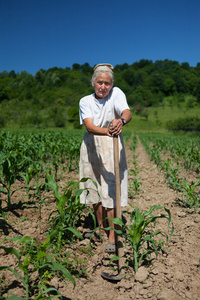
x,y
117,177
120,250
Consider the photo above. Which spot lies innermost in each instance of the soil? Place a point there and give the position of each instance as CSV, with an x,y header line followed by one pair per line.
x,y
174,274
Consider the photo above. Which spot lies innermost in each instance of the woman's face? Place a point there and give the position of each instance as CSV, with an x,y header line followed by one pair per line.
x,y
102,85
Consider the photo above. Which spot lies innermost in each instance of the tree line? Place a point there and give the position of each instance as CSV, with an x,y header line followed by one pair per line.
x,y
50,97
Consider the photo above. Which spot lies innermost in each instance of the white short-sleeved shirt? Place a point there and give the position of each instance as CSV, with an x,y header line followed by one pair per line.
x,y
103,111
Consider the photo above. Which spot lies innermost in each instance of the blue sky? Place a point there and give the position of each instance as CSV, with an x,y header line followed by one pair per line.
x,y
41,34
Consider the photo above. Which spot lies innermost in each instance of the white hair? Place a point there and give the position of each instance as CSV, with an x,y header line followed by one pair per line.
x,y
96,74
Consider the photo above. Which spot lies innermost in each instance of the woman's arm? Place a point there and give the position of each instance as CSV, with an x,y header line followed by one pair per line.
x,y
93,129
126,115
114,129
117,124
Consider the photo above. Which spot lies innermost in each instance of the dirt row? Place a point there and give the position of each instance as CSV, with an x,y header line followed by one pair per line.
x,y
175,274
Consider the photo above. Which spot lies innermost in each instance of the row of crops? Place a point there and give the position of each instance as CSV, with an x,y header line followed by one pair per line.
x,y
184,157
28,155
36,160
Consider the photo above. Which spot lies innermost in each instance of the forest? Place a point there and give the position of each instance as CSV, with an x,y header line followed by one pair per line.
x,y
50,98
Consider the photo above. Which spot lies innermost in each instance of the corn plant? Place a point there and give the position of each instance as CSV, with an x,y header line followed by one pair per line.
x,y
35,258
8,175
155,154
69,210
134,143
134,187
172,174
134,184
174,179
183,148
140,233
135,163
28,176
38,185
190,193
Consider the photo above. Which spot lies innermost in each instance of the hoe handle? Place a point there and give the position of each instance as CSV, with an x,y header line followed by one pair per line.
x,y
118,199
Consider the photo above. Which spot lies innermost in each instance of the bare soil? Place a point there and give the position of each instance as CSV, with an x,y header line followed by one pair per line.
x,y
174,274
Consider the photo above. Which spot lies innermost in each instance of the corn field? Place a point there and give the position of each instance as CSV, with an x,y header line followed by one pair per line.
x,y
42,222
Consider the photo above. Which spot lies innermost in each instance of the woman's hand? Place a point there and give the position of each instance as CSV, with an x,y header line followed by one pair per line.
x,y
108,132
115,127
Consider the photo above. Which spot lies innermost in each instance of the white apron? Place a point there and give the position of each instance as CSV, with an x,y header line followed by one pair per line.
x,y
97,162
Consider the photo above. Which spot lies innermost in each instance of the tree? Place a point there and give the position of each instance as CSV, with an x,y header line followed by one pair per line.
x,y
156,82
40,76
86,68
129,76
4,92
180,82
2,121
4,74
12,74
73,114
198,92
198,68
144,63
170,87
76,67
121,67
185,66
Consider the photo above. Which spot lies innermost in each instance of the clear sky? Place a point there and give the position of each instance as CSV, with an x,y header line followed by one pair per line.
x,y
42,34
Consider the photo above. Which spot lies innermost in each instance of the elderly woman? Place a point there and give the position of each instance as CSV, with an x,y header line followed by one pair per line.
x,y
104,113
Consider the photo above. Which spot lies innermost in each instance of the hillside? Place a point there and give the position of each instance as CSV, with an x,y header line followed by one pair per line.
x,y
50,97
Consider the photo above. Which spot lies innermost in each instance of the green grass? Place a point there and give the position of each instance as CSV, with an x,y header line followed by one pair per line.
x,y
158,116
170,110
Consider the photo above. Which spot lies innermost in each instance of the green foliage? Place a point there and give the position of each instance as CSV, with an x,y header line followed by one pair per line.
x,y
134,181
185,151
141,233
10,166
35,259
2,121
191,194
26,155
69,211
43,100
73,114
185,124
172,108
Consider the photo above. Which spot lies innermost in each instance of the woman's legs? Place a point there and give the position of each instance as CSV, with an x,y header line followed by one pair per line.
x,y
100,215
111,214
